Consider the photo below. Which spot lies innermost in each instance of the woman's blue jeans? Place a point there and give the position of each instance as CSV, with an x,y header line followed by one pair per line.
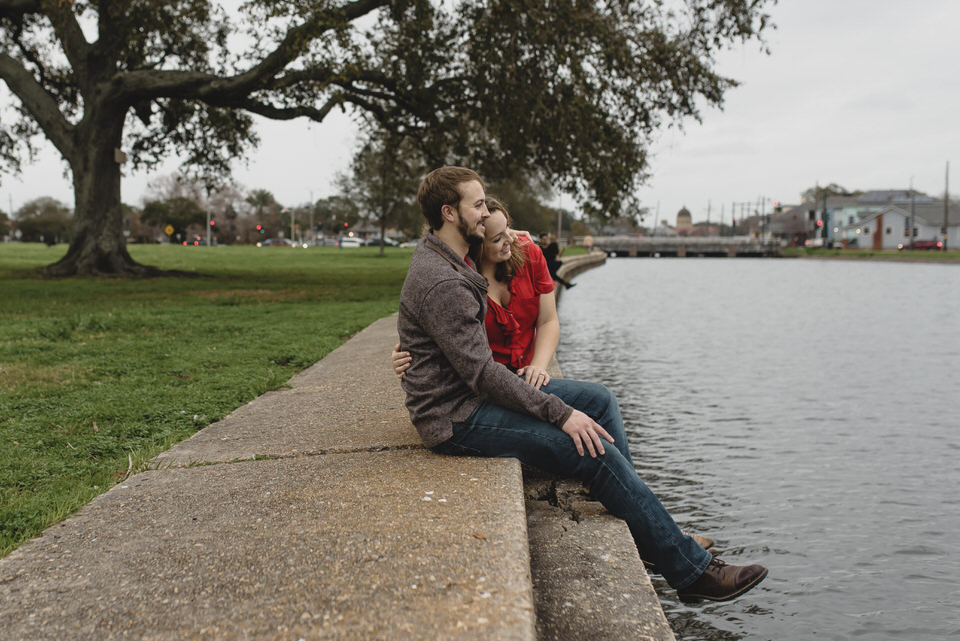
x,y
611,478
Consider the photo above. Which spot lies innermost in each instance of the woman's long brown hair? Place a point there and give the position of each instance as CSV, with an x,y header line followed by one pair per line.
x,y
505,271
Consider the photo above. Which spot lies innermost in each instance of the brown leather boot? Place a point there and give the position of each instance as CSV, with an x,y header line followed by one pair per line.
x,y
722,582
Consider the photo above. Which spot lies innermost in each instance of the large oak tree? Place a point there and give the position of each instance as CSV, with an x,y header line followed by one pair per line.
x,y
568,89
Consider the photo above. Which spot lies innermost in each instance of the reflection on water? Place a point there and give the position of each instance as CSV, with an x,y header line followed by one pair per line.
x,y
805,414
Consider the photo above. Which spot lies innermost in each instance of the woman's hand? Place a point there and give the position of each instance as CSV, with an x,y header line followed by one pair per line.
x,y
400,360
536,376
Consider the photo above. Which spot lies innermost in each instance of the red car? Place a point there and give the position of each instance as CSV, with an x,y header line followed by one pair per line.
x,y
922,244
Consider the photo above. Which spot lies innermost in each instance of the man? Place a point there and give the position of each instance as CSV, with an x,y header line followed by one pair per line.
x,y
552,252
462,402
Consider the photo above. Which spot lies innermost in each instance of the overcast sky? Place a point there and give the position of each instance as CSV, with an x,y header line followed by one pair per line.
x,y
862,93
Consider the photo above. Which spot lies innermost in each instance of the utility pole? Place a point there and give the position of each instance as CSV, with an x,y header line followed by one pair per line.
x,y
913,212
763,217
708,218
313,210
559,220
733,210
824,217
946,204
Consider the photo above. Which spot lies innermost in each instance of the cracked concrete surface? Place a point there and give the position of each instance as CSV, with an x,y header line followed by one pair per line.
x,y
588,580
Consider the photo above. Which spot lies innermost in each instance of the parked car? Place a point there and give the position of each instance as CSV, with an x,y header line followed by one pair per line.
x,y
350,242
375,242
276,242
922,244
410,243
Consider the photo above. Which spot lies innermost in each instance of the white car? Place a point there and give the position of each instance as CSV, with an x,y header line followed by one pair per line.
x,y
350,242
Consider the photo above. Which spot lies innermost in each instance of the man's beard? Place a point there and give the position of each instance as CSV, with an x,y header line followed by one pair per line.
x,y
473,237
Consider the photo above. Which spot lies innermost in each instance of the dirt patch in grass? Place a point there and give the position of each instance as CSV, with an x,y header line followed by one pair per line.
x,y
19,374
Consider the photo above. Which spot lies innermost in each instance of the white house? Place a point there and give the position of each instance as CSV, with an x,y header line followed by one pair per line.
x,y
889,227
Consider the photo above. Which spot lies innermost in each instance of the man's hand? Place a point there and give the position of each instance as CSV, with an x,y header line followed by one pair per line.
x,y
536,376
585,432
400,360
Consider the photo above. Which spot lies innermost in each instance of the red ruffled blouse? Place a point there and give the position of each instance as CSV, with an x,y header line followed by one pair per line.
x,y
512,330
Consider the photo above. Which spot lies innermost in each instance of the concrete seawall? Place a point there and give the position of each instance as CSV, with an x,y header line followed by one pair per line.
x,y
314,512
574,265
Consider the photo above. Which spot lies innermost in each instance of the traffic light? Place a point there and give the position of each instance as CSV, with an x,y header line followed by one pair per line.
x,y
319,225
213,223
819,223
346,224
260,228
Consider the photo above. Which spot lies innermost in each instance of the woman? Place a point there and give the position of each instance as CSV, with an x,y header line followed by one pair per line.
x,y
521,322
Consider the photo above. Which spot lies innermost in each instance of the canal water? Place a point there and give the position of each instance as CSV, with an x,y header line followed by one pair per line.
x,y
805,414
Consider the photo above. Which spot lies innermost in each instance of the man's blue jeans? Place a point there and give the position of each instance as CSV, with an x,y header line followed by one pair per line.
x,y
611,478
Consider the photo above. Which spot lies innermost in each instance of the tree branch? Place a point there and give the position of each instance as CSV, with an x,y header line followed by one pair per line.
x,y
70,35
229,91
325,76
41,106
289,113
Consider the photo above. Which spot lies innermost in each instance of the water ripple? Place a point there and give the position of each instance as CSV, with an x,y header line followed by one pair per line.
x,y
803,414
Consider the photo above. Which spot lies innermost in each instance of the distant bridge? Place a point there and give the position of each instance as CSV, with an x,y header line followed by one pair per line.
x,y
681,246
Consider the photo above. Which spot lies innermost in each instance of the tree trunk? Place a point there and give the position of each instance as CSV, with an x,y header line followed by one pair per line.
x,y
98,247
383,233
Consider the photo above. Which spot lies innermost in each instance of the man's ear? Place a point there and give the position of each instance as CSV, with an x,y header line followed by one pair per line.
x,y
448,213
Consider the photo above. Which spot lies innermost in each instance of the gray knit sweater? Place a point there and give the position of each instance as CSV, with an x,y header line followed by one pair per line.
x,y
442,306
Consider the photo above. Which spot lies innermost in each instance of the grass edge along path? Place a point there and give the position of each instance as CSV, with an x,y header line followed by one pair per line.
x,y
906,256
99,376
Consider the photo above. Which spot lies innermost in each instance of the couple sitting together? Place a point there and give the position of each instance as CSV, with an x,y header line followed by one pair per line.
x,y
478,325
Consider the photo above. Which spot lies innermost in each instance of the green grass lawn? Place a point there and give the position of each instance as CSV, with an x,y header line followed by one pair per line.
x,y
99,376
891,254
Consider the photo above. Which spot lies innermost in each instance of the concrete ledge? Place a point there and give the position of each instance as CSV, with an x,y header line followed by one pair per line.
x,y
588,580
389,545
573,265
349,401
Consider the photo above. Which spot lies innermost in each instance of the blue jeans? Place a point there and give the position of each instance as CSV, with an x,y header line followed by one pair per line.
x,y
611,478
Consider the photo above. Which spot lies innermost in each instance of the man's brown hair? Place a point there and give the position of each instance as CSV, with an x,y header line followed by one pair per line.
x,y
439,188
